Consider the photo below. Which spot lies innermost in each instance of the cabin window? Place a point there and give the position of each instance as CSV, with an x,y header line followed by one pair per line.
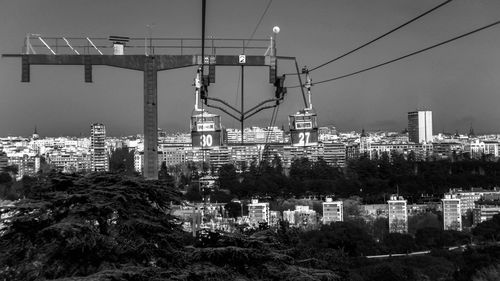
x,y
303,125
205,127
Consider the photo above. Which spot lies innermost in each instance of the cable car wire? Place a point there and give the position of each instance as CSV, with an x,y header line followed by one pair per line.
x,y
272,123
259,22
248,42
379,37
406,56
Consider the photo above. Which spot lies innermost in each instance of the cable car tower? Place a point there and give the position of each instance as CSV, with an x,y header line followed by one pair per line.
x,y
89,52
303,124
206,130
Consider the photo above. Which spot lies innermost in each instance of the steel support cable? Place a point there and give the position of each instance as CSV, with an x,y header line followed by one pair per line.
x,y
405,56
246,45
259,22
272,123
379,37
300,83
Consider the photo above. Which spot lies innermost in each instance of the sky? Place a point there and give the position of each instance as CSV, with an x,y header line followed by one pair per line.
x,y
459,81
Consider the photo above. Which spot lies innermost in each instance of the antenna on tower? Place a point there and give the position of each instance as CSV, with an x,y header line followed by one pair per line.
x,y
148,48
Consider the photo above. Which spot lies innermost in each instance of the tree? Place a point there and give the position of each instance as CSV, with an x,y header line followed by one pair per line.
x,y
5,178
45,167
490,273
300,168
379,228
399,243
164,175
352,209
193,193
345,236
11,169
429,237
488,230
389,271
422,221
277,164
228,178
384,166
234,209
6,183
122,161
78,225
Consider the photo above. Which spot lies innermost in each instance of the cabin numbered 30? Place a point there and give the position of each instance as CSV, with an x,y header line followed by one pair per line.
x,y
206,130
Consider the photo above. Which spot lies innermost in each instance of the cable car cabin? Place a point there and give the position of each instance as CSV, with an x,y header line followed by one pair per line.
x,y
303,128
206,130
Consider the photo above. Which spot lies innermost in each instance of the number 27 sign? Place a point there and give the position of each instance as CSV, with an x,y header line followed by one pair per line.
x,y
304,138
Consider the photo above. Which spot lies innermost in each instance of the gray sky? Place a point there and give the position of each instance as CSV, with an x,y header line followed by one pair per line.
x,y
459,82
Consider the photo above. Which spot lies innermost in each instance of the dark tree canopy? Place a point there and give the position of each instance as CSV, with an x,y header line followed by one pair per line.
x,y
71,225
122,160
488,230
115,227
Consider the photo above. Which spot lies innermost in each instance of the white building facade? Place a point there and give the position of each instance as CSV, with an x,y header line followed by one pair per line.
x,y
452,215
398,215
99,161
333,211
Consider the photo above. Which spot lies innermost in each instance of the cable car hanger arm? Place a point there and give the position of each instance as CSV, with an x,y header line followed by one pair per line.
x,y
223,110
223,102
262,103
301,85
259,110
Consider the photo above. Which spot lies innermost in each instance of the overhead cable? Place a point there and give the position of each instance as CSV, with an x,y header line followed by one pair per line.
x,y
407,55
259,22
381,36
246,45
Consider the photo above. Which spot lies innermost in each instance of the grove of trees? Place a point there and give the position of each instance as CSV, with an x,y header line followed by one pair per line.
x,y
372,180
117,227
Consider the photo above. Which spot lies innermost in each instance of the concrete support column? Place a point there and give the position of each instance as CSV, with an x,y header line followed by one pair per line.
x,y
150,119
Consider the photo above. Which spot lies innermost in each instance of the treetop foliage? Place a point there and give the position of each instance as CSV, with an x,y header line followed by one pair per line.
x,y
70,225
115,227
371,179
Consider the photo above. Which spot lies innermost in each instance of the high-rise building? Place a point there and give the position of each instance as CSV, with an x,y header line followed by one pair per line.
x,y
420,126
398,215
138,161
332,211
258,212
99,161
452,216
468,198
4,160
334,153
27,163
483,214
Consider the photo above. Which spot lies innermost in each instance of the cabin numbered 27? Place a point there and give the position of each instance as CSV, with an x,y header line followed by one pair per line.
x,y
303,129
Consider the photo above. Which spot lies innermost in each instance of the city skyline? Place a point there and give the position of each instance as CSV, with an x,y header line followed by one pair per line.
x,y
40,134
455,81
